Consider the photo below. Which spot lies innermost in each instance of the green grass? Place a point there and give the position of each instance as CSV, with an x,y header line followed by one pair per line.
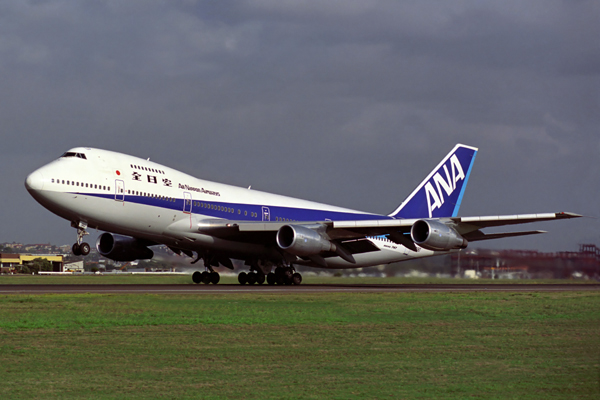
x,y
341,346
187,279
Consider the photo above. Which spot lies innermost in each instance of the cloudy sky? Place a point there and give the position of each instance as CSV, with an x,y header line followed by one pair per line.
x,y
347,102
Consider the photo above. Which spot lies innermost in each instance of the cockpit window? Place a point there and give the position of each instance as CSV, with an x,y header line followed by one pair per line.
x,y
71,154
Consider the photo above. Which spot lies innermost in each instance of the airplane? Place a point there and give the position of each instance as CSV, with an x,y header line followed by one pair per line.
x,y
139,204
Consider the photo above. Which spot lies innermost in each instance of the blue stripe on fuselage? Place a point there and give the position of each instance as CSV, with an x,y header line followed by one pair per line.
x,y
241,211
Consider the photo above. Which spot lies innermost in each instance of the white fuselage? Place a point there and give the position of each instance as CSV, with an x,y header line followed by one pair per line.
x,y
131,196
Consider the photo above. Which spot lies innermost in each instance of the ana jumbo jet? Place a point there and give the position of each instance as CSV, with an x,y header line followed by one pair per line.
x,y
141,204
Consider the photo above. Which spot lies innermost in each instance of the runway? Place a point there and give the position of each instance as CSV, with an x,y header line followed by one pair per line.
x,y
264,289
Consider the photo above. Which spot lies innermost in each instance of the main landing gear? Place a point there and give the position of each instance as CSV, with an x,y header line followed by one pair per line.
x,y
281,276
206,277
80,248
210,261
251,278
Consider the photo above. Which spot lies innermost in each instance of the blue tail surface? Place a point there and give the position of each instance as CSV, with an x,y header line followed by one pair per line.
x,y
441,193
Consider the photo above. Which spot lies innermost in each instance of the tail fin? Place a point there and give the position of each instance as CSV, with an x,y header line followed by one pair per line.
x,y
441,193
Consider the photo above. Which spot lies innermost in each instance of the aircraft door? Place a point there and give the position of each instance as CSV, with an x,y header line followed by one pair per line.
x,y
266,214
187,202
119,190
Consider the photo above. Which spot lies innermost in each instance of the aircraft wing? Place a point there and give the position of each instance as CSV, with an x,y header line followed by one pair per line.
x,y
397,230
468,227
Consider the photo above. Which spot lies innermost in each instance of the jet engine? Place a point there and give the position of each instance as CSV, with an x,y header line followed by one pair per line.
x,y
122,248
436,236
306,241
302,241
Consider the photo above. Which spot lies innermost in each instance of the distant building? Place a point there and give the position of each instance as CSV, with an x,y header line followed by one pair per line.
x,y
528,264
76,266
8,262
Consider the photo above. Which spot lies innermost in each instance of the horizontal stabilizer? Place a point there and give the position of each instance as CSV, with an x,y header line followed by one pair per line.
x,y
478,235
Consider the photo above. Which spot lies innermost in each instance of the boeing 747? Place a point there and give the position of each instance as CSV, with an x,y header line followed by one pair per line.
x,y
140,204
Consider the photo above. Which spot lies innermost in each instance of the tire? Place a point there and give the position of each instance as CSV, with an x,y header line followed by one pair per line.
x,y
76,250
260,278
197,277
205,278
271,279
242,278
214,278
84,249
251,278
296,279
288,275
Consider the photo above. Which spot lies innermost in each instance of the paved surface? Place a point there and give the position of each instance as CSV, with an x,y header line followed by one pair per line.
x,y
341,288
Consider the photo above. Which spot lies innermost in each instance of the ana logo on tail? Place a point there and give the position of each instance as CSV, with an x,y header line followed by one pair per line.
x,y
439,195
435,199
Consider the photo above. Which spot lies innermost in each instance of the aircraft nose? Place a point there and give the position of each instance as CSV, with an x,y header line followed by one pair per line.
x,y
35,181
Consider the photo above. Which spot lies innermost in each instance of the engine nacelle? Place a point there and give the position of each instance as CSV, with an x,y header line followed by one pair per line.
x,y
437,236
302,241
122,248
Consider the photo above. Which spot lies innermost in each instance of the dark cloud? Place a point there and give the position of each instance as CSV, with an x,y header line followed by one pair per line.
x,y
345,102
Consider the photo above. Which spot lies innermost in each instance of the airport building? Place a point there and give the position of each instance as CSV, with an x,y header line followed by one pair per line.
x,y
8,262
527,264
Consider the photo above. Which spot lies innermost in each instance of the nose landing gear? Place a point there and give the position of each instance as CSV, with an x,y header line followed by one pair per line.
x,y
80,248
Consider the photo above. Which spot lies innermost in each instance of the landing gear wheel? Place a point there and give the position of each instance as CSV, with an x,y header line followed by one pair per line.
x,y
205,278
260,278
271,279
251,278
286,275
242,278
215,278
80,248
84,249
282,274
197,277
296,279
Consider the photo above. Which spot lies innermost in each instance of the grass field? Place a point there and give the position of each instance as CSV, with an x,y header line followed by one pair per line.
x,y
340,346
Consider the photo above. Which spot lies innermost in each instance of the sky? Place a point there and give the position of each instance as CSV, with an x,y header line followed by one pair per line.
x,y
345,102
